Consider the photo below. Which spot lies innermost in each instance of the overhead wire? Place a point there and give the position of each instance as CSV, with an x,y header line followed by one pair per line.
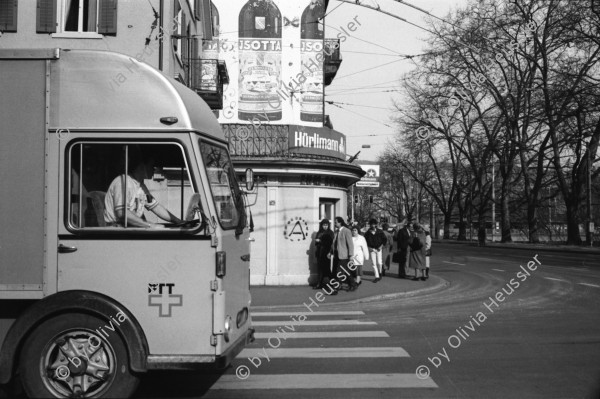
x,y
368,69
362,116
364,92
357,105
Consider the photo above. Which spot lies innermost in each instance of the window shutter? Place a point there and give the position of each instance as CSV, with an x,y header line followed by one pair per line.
x,y
107,17
46,16
8,15
203,11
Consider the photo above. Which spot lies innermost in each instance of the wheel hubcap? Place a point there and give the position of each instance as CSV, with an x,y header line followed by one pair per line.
x,y
78,364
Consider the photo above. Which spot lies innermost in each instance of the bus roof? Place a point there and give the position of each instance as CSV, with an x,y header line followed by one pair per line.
x,y
103,90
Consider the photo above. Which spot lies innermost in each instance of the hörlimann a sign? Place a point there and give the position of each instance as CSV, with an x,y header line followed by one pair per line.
x,y
317,141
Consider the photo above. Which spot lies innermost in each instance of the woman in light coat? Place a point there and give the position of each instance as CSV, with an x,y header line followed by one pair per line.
x,y
361,252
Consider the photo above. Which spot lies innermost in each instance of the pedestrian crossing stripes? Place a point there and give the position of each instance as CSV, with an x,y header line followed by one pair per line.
x,y
376,352
255,365
326,334
312,323
340,313
324,381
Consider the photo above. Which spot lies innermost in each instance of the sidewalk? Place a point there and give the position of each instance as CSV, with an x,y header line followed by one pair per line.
x,y
519,245
389,287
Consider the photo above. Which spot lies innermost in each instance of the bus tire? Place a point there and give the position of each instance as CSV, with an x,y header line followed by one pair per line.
x,y
67,356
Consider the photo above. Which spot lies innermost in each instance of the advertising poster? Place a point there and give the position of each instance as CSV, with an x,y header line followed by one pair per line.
x,y
311,99
208,64
260,77
259,61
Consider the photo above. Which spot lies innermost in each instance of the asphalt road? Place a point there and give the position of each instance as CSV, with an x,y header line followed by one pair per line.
x,y
538,338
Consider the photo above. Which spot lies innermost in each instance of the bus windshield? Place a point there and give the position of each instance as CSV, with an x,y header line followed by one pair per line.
x,y
225,191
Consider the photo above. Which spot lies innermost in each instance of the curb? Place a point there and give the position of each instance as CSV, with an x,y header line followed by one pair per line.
x,y
441,284
577,250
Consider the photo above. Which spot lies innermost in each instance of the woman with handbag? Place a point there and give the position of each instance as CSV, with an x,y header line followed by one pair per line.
x,y
417,251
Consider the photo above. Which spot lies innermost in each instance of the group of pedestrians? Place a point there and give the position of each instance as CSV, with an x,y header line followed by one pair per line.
x,y
414,251
342,252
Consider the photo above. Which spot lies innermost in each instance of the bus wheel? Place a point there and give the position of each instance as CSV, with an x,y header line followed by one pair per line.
x,y
67,357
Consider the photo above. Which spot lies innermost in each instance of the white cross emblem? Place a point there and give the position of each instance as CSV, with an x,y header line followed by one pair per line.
x,y
165,300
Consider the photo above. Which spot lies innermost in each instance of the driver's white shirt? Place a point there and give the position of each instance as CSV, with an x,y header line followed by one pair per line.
x,y
136,199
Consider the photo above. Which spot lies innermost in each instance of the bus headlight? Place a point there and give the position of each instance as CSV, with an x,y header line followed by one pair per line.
x,y
228,322
242,317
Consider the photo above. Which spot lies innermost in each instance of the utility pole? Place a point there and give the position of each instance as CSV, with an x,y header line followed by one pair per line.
x,y
590,224
471,215
493,200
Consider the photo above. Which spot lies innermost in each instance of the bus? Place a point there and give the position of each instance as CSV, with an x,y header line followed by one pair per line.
x,y
124,244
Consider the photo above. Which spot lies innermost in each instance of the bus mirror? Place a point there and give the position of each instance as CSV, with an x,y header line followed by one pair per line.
x,y
249,179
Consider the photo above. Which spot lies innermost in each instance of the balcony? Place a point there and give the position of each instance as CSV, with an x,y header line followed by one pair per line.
x,y
207,77
333,59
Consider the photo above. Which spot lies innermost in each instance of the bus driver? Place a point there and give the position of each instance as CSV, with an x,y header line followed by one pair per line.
x,y
138,198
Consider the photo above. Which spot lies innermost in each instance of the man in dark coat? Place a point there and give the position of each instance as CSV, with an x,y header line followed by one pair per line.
x,y
403,239
376,239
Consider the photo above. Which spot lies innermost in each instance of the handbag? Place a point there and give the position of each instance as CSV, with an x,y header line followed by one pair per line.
x,y
396,257
428,252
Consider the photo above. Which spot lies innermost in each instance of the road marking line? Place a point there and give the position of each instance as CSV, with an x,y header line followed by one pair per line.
x,y
312,323
324,334
341,313
492,259
324,381
318,353
452,263
499,270
589,285
555,279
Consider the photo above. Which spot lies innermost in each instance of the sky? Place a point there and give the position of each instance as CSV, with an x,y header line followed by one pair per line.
x,y
363,79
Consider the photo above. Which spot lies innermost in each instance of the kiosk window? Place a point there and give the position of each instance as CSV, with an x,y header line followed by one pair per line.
x,y
129,185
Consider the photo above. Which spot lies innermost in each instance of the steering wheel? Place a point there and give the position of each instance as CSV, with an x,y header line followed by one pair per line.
x,y
184,223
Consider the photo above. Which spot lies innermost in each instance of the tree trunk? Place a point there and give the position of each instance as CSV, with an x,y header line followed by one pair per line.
x,y
505,217
481,233
462,230
447,220
573,236
532,222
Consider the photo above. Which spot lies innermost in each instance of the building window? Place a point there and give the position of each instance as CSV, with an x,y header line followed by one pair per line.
x,y
77,16
80,15
327,208
129,185
8,15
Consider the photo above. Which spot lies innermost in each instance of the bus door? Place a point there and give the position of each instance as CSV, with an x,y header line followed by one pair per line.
x,y
232,298
124,233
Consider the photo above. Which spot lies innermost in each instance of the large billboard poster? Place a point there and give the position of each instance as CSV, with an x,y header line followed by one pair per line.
x,y
311,46
259,79
275,75
311,97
